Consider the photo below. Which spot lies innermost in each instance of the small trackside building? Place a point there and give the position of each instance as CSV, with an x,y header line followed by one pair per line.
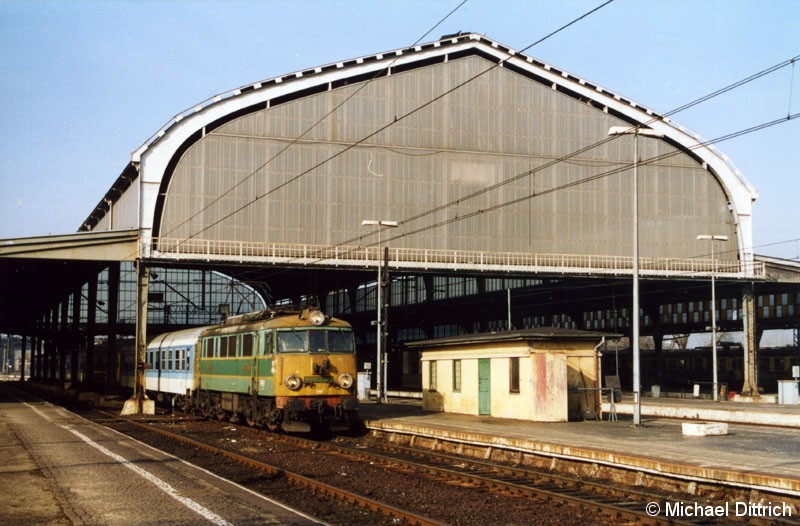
x,y
542,374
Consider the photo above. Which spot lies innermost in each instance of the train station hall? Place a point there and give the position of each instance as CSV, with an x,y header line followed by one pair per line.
x,y
505,249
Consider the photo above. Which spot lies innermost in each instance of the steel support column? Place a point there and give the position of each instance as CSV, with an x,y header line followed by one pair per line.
x,y
63,342
113,358
91,328
22,357
76,331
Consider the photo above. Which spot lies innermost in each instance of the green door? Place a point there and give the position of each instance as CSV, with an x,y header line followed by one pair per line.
x,y
484,387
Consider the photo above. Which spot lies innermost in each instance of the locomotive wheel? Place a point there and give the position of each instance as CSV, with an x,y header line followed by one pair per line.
x,y
275,417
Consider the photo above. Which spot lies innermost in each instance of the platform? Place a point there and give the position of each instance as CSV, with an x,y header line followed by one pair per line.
x,y
749,457
60,469
723,411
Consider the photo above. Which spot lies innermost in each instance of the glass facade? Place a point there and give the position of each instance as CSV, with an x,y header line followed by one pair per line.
x,y
176,297
473,171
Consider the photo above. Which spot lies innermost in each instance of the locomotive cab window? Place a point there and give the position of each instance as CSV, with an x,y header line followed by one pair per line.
x,y
340,342
267,340
292,341
315,341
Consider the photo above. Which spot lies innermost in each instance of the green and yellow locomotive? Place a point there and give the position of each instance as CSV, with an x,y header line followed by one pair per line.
x,y
286,368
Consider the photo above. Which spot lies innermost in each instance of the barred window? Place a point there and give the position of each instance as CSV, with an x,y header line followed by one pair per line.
x,y
456,376
513,375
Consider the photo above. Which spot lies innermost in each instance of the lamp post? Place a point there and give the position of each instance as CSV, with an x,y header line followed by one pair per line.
x,y
712,238
381,375
647,132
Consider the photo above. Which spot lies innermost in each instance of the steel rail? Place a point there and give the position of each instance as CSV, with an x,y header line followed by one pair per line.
x,y
300,480
518,484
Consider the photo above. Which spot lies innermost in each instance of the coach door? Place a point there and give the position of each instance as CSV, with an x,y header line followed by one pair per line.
x,y
484,387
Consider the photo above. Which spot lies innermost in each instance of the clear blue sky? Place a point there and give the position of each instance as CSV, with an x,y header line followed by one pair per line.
x,y
84,83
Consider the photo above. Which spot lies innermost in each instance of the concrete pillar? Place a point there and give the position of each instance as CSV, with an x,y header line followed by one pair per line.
x,y
750,342
138,404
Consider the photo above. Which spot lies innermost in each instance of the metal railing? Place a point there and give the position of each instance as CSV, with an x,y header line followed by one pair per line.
x,y
301,255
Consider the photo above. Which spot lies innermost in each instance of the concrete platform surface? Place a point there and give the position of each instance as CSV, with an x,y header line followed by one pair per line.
x,y
60,469
750,457
703,409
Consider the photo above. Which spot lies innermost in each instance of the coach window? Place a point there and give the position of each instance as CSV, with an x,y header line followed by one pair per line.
x,y
247,345
223,347
209,347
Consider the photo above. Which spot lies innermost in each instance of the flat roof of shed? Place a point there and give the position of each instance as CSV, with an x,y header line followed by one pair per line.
x,y
535,334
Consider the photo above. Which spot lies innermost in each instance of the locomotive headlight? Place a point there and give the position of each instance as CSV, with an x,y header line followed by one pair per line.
x,y
316,317
345,380
293,382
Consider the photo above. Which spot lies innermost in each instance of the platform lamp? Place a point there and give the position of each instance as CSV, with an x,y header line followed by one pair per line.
x,y
712,238
636,131
381,375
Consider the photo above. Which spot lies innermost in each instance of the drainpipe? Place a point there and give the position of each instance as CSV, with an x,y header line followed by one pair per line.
x,y
598,398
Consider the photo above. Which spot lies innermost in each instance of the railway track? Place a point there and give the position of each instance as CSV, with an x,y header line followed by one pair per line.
x,y
607,504
613,502
317,487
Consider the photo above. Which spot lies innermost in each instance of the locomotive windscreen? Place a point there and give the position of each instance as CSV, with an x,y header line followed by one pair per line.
x,y
316,341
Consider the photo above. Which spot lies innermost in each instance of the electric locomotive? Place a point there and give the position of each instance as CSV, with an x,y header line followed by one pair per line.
x,y
287,368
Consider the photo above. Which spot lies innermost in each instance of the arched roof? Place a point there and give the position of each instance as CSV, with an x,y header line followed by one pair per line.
x,y
158,157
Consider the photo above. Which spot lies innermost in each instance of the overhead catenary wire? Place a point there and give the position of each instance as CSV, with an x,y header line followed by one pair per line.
x,y
790,117
461,199
386,126
606,140
571,184
593,177
579,151
361,87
